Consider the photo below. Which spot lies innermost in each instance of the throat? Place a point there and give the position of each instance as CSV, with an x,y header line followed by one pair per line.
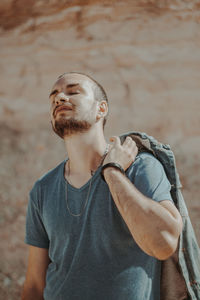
x,y
78,179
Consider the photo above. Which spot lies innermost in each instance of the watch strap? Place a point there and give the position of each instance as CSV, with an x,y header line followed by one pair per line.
x,y
113,165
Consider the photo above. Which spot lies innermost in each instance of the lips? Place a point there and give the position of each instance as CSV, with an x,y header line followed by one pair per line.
x,y
60,108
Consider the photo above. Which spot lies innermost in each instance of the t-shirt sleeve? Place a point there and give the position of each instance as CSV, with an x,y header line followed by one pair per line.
x,y
36,234
150,178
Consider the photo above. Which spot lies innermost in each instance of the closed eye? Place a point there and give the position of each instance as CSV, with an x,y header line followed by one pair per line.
x,y
73,93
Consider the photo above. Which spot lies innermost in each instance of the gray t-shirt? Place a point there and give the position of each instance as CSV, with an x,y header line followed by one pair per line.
x,y
94,256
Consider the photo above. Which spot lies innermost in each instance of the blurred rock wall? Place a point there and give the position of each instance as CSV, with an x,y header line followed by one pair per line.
x,y
145,54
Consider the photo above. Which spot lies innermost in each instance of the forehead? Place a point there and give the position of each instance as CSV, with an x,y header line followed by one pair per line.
x,y
73,78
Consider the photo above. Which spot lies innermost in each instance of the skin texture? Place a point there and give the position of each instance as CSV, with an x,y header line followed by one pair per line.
x,y
154,226
38,262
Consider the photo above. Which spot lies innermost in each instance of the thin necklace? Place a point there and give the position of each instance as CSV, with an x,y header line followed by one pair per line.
x,y
92,173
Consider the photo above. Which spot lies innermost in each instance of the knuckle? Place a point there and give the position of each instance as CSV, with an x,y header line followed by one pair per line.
x,y
129,155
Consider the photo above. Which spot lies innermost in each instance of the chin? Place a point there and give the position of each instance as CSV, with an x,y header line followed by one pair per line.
x,y
69,126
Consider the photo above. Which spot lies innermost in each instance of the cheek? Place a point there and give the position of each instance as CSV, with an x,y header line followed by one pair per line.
x,y
81,112
85,104
86,112
52,105
51,113
52,120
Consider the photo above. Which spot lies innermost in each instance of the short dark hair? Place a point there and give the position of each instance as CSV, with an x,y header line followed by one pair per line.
x,y
99,91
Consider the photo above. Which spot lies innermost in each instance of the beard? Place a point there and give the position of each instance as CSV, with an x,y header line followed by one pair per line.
x,y
63,127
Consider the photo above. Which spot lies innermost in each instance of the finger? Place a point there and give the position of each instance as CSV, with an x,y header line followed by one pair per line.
x,y
128,140
116,140
136,150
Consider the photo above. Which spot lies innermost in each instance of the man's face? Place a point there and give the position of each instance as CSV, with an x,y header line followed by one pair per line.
x,y
73,106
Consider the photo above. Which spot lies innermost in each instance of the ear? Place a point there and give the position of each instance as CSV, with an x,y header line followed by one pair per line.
x,y
102,109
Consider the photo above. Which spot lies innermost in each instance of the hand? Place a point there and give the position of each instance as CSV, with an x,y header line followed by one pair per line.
x,y
123,154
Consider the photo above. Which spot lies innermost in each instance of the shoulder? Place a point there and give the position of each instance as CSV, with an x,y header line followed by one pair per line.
x,y
148,175
146,166
145,160
49,178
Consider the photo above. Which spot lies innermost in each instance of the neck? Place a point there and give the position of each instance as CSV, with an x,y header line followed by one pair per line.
x,y
85,151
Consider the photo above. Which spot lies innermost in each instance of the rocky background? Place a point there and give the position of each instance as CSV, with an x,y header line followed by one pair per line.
x,y
146,55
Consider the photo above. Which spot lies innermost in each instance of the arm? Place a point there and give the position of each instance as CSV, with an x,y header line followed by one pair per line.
x,y
38,262
154,226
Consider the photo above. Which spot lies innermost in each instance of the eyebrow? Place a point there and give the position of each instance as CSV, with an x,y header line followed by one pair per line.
x,y
68,86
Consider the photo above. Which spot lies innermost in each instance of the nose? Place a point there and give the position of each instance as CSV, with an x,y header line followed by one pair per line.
x,y
61,98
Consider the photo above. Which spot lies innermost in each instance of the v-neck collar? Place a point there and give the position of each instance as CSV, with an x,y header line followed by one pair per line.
x,y
96,173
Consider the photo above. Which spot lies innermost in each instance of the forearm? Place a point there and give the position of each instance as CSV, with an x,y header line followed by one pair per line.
x,y
152,226
31,293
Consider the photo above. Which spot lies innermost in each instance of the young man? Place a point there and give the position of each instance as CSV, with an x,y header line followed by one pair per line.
x,y
99,224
